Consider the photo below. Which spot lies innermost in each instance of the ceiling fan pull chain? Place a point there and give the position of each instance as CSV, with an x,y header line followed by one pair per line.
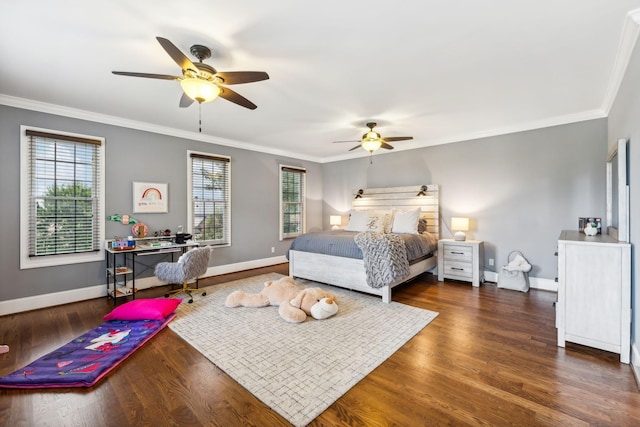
x,y
200,117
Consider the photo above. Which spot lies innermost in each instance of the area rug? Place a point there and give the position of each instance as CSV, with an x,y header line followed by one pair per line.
x,y
86,359
298,370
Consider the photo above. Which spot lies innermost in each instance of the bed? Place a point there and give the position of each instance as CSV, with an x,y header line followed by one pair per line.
x,y
328,257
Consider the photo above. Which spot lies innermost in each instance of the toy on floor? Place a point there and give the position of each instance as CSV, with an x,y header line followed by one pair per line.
x,y
324,309
294,303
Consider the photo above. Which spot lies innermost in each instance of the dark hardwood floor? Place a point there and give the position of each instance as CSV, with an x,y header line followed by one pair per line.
x,y
489,358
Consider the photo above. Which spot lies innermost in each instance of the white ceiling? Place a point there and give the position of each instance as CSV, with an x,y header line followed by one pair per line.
x,y
438,70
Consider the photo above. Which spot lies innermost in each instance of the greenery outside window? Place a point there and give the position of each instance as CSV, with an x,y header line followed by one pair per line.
x,y
292,201
62,198
209,189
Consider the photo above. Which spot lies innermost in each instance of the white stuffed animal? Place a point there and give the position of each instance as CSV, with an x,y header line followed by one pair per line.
x,y
590,229
324,309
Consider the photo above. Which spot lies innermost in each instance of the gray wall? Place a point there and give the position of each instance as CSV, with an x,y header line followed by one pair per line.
x,y
519,190
624,122
133,155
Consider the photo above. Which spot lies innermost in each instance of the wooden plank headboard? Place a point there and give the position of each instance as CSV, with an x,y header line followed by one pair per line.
x,y
427,197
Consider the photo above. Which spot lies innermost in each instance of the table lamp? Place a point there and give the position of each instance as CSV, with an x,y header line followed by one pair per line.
x,y
335,221
460,225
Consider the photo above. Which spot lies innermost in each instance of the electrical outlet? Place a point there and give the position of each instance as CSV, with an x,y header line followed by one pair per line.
x,y
273,249
491,262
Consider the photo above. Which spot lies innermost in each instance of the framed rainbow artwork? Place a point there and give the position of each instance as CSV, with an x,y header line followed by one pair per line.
x,y
150,197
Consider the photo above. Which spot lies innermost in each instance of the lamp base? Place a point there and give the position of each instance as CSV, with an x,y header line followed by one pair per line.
x,y
460,236
335,227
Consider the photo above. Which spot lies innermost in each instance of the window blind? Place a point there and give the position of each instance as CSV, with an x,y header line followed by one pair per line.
x,y
210,198
64,194
292,203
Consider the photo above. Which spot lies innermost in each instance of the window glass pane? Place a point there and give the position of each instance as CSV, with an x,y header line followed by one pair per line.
x,y
210,207
64,196
292,201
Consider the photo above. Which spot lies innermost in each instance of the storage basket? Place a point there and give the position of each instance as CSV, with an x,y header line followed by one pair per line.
x,y
516,280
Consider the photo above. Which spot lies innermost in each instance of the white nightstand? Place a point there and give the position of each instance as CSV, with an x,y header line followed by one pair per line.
x,y
461,260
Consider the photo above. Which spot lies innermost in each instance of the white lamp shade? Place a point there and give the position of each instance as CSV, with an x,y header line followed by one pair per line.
x,y
335,221
460,225
200,90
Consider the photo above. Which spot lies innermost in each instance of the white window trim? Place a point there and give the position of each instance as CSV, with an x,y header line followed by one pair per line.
x,y
190,191
26,261
304,204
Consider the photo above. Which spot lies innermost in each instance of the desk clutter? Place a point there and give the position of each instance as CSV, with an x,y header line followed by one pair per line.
x,y
130,243
121,244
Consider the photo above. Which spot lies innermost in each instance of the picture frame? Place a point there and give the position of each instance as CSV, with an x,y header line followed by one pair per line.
x,y
150,197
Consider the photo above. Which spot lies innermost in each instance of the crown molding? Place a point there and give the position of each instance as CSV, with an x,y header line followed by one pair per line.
x,y
630,31
59,110
486,133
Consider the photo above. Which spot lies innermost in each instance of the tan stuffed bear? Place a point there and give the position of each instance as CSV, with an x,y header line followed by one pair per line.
x,y
294,302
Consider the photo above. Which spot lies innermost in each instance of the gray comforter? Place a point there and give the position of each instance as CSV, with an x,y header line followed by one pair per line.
x,y
341,243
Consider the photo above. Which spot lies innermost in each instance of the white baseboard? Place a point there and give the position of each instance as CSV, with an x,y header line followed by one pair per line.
x,y
49,300
19,305
534,282
635,362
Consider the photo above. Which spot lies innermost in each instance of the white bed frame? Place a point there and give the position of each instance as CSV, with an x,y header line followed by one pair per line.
x,y
349,272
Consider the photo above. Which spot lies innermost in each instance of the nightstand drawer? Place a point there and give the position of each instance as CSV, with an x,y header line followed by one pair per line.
x,y
458,269
458,253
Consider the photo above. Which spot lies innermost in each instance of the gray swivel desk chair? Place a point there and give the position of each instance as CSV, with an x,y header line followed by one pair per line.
x,y
191,264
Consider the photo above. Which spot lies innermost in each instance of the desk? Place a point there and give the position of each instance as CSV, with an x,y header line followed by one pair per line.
x,y
119,273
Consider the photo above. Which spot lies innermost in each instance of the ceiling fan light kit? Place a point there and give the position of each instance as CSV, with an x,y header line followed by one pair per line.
x,y
200,90
201,82
372,141
371,145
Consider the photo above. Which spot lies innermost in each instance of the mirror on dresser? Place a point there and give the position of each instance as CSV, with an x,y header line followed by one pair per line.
x,y
617,216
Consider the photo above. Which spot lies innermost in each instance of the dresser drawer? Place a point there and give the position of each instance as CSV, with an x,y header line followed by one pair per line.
x,y
454,269
458,253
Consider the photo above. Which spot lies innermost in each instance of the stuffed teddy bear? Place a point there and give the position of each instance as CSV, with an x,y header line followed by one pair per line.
x,y
294,303
324,309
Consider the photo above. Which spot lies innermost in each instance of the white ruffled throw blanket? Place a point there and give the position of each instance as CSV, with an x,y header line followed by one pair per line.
x,y
385,258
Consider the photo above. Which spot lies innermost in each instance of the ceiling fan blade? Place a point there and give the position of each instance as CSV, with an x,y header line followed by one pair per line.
x,y
387,146
356,147
175,53
238,77
236,98
397,138
185,101
340,142
147,75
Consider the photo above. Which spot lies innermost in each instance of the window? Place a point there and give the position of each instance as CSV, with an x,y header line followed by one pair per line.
x,y
292,201
209,209
62,198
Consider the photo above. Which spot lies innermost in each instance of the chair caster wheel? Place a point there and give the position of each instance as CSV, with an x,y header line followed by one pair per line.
x,y
204,293
190,301
166,295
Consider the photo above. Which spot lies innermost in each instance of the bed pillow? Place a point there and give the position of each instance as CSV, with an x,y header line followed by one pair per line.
x,y
144,309
369,220
376,222
357,221
406,222
422,225
387,220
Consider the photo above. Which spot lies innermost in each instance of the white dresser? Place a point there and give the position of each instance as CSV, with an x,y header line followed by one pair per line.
x,y
594,292
461,260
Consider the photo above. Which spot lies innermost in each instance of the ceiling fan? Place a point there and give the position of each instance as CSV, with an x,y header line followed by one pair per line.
x,y
201,82
372,141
